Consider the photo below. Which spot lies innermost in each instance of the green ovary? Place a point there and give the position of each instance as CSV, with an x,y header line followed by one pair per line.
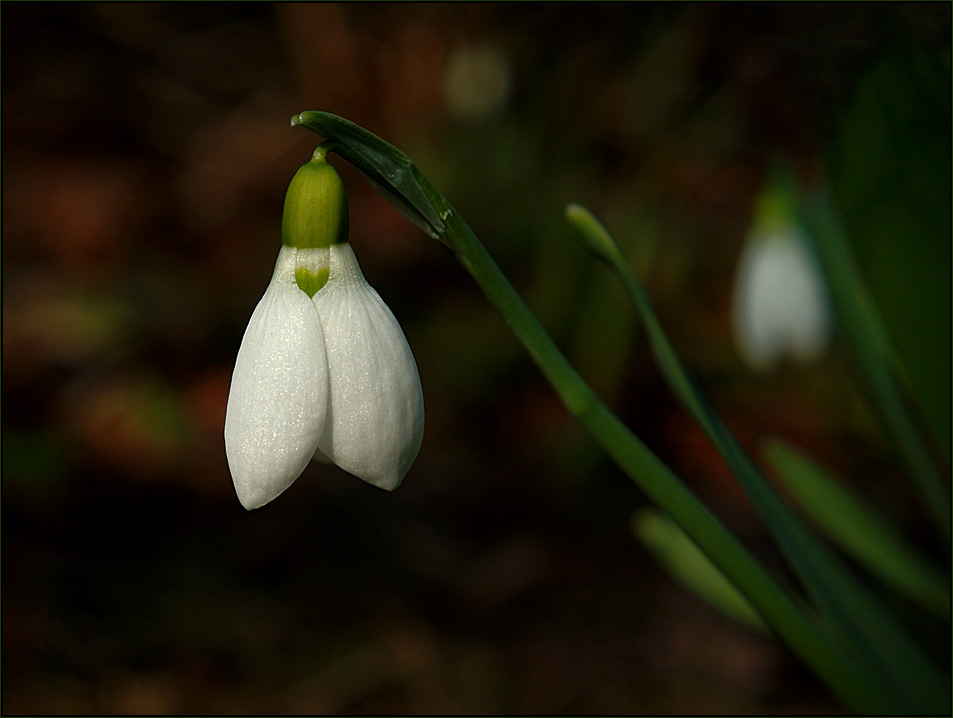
x,y
315,209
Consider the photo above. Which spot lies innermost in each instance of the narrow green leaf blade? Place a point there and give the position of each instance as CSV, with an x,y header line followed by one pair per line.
x,y
688,565
858,531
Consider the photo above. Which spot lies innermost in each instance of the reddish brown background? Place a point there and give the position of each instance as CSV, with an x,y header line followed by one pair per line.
x,y
146,151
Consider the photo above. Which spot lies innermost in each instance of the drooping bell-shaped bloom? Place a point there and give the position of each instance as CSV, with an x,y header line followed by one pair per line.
x,y
324,369
780,303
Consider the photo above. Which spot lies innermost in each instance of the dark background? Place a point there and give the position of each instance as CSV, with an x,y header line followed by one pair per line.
x,y
146,152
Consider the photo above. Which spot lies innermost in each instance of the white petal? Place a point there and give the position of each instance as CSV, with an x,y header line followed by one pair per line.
x,y
807,319
277,403
376,411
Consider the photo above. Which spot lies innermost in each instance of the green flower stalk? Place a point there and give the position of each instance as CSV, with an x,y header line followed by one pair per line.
x,y
849,652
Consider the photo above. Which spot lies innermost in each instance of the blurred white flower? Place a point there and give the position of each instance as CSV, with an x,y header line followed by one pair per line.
x,y
780,303
324,370
476,81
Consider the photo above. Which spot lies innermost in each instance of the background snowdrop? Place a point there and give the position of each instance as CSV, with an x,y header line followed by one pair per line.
x,y
780,303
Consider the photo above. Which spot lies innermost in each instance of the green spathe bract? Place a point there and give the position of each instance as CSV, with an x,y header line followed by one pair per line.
x,y
316,191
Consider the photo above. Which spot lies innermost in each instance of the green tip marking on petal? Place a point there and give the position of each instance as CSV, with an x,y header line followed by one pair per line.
x,y
310,282
315,211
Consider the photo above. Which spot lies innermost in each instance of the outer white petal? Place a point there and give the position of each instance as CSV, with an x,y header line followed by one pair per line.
x,y
277,403
376,411
779,306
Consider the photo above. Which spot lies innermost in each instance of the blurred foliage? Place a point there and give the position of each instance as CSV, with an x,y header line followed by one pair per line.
x,y
891,172
146,153
682,558
858,531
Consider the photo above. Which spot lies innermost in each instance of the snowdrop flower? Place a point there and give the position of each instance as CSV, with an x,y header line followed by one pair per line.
x,y
780,303
324,370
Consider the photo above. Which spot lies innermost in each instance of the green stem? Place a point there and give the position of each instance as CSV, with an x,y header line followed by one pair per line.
x,y
399,180
777,607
